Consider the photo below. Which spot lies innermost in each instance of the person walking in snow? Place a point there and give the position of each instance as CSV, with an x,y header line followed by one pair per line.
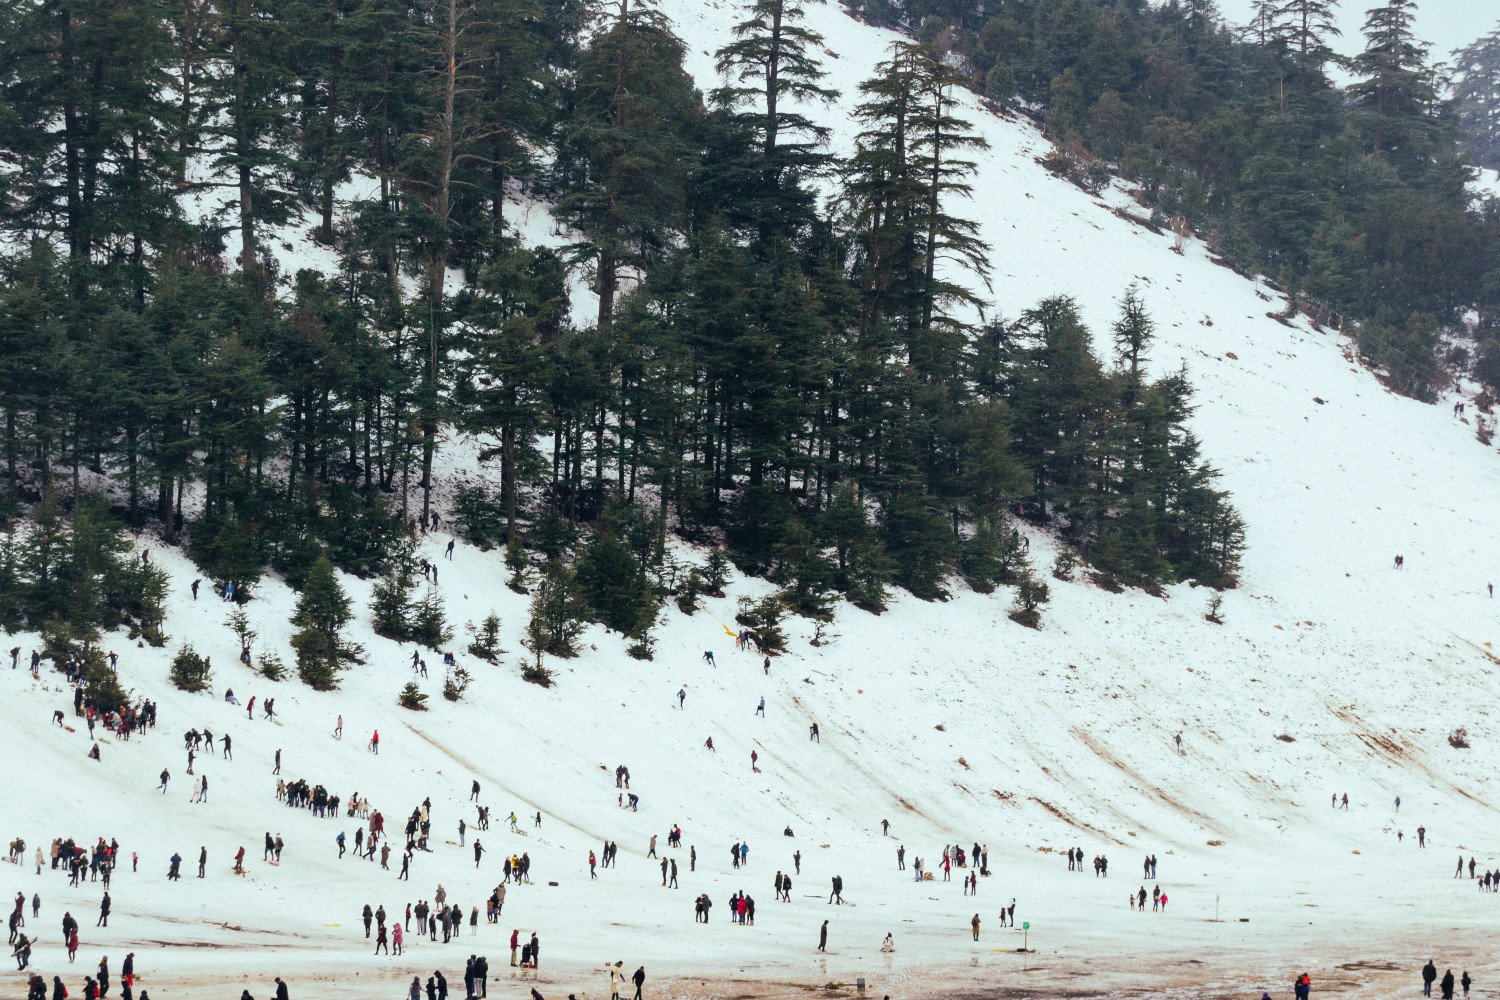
x,y
681,696
753,758
374,745
708,657
478,852
823,937
760,709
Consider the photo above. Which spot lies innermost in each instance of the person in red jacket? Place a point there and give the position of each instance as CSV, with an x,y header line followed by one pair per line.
x,y
515,941
375,742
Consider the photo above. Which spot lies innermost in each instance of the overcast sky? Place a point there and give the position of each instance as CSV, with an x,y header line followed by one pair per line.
x,y
1444,24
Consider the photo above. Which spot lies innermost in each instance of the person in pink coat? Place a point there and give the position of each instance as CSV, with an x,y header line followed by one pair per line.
x,y
396,938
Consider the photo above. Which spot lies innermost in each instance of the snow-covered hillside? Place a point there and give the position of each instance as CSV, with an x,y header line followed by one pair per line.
x,y
1331,673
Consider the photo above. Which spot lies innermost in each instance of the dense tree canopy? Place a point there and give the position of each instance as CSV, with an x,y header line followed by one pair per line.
x,y
790,357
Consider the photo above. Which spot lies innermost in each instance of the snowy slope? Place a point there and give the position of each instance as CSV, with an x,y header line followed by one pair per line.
x,y
947,719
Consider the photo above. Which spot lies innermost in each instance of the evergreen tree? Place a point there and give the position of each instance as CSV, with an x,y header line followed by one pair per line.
x,y
1476,98
1395,99
612,582
1308,27
558,613
244,122
628,144
189,671
774,73
323,611
522,305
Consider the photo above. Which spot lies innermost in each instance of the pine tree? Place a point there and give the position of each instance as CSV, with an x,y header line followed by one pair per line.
x,y
244,109
774,73
1476,98
521,305
189,671
390,602
429,621
629,144
862,568
85,127
1133,332
323,611
612,582
1395,98
558,613
1308,26
486,644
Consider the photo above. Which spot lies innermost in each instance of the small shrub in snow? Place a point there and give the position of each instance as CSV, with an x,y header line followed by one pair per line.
x,y
1064,564
1459,739
239,624
486,644
688,591
535,673
190,672
716,572
429,624
271,667
456,683
643,641
1031,594
1214,604
519,565
412,697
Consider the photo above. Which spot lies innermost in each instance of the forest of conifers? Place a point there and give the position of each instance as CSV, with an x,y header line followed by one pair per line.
x,y
794,359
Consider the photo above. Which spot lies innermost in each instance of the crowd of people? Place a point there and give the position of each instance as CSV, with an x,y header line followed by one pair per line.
x,y
439,918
